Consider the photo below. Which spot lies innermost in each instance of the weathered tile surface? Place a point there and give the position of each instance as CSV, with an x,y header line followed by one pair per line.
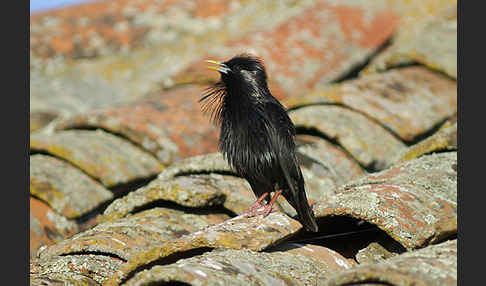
x,y
82,269
427,34
368,142
67,189
126,25
127,237
103,156
244,267
319,45
169,124
414,202
187,183
373,253
255,233
207,163
408,101
433,265
196,191
73,279
321,157
444,139
38,119
46,226
118,51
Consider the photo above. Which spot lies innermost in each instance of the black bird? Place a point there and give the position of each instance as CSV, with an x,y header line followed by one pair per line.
x,y
257,135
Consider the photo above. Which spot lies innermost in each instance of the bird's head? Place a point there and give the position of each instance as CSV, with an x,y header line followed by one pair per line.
x,y
243,81
242,72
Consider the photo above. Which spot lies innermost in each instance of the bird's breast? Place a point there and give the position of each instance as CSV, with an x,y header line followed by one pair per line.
x,y
247,145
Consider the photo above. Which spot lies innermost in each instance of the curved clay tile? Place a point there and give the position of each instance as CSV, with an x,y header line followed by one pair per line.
x,y
46,226
103,156
130,236
82,269
408,101
442,140
161,124
368,142
434,265
105,53
64,187
414,202
244,267
321,43
195,191
428,35
255,233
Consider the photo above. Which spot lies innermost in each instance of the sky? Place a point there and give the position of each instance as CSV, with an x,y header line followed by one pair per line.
x,y
42,5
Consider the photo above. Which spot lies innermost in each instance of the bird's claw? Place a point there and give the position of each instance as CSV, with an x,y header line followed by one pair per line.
x,y
251,210
265,212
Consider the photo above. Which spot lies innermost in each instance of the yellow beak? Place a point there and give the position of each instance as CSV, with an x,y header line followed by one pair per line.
x,y
213,67
220,66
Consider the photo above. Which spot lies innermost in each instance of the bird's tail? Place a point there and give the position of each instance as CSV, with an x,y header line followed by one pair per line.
x,y
305,213
295,182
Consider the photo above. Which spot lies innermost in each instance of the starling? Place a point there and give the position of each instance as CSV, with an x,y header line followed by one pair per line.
x,y
257,135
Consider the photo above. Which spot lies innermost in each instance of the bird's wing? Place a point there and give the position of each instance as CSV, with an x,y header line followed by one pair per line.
x,y
282,138
281,133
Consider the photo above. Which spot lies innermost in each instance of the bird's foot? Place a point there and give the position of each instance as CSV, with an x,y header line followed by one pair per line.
x,y
256,205
251,210
266,211
268,208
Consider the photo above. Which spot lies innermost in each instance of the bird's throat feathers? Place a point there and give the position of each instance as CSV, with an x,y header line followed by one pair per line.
x,y
239,97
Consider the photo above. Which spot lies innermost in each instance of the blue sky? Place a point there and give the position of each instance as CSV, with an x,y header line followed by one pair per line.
x,y
41,5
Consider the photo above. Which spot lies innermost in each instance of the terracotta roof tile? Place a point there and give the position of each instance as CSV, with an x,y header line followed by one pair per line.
x,y
195,191
247,268
103,156
255,233
319,45
414,202
127,237
160,124
367,142
408,101
433,265
117,52
428,35
85,269
65,188
444,139
47,227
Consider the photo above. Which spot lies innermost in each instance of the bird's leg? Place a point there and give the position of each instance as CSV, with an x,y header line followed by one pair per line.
x,y
268,207
256,205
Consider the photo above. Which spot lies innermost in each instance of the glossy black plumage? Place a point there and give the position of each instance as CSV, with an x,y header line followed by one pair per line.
x,y
257,135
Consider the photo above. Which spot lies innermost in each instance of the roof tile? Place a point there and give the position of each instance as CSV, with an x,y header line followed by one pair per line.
x,y
103,156
243,267
127,237
444,139
65,188
428,35
433,265
255,233
162,124
46,226
368,142
319,45
414,202
408,101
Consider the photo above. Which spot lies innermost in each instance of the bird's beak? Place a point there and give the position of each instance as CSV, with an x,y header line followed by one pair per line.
x,y
222,68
